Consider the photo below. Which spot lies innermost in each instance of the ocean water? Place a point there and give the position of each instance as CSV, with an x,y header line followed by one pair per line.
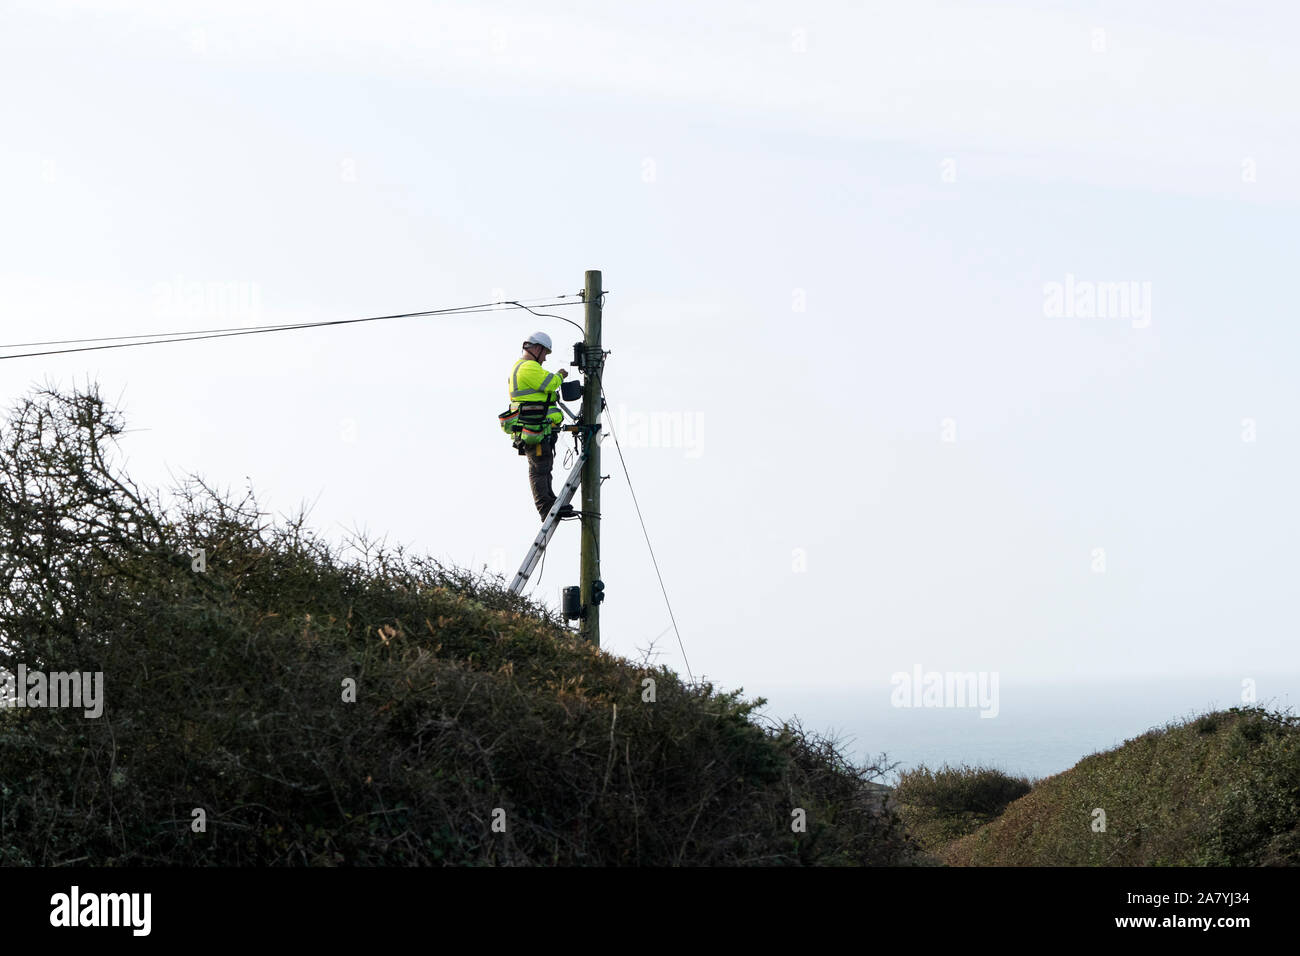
x,y
1039,729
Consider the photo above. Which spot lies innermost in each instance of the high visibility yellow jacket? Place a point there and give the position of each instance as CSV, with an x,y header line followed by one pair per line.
x,y
529,382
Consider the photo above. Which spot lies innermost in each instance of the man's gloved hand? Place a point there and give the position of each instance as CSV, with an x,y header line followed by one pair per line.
x,y
563,373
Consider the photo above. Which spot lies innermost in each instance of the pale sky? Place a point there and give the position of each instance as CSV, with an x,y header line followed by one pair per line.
x,y
827,231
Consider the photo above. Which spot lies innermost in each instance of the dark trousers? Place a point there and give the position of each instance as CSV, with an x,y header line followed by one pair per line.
x,y
541,462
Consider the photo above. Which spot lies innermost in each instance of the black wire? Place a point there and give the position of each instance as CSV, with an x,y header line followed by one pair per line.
x,y
256,330
240,328
600,384
560,317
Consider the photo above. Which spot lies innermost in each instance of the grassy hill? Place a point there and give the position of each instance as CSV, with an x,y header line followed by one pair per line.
x,y
1222,789
939,806
282,702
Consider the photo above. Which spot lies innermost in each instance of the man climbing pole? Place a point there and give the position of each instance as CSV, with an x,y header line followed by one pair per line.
x,y
534,418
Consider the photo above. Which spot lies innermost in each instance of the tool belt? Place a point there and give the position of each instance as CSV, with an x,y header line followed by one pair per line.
x,y
528,422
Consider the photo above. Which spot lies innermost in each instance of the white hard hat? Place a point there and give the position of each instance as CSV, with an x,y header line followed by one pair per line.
x,y
539,338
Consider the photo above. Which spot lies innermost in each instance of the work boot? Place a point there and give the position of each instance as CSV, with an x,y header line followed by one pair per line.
x,y
566,511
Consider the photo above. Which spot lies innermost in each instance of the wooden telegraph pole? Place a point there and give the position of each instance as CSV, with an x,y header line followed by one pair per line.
x,y
593,362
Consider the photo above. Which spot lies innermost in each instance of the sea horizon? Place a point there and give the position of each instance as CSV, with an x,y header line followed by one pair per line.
x,y
1040,728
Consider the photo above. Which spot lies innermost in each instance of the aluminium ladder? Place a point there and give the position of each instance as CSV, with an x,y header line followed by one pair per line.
x,y
549,525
